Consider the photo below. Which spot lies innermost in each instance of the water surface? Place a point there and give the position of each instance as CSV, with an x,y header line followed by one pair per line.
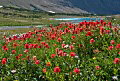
x,y
76,20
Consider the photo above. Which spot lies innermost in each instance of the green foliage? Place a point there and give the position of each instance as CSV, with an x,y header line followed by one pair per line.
x,y
66,52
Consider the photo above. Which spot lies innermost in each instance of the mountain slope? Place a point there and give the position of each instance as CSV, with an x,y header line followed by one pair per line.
x,y
98,6
68,6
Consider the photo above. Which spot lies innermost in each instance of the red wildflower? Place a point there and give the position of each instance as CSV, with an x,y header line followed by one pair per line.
x,y
112,42
89,33
57,50
66,30
13,51
75,31
110,47
37,62
4,61
118,52
76,70
39,47
97,67
57,69
30,45
64,54
4,36
47,46
48,64
17,57
43,43
26,46
116,60
115,29
53,55
20,55
6,49
92,40
60,53
28,57
72,54
54,44
104,23
70,26
44,70
80,45
53,36
15,45
102,30
73,37
81,29
109,23
118,46
107,31
39,39
59,39
26,51
35,45
34,58
23,58
101,21
63,45
71,47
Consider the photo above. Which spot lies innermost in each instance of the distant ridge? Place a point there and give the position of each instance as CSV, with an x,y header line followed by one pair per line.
x,y
67,6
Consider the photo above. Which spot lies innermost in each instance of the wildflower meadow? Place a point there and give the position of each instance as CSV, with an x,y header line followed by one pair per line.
x,y
88,51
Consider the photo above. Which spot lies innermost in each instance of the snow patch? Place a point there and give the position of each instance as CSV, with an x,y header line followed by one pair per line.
x,y
51,11
1,6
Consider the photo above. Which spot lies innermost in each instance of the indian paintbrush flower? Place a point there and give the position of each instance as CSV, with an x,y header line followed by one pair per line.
x,y
57,69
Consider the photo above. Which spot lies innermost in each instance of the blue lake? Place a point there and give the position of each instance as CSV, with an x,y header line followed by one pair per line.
x,y
78,19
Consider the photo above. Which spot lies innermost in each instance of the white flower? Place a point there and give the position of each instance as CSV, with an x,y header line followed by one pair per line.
x,y
66,46
80,73
13,71
110,34
63,41
76,56
115,77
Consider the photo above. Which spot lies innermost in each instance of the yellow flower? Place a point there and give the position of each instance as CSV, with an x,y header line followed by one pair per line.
x,y
94,58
